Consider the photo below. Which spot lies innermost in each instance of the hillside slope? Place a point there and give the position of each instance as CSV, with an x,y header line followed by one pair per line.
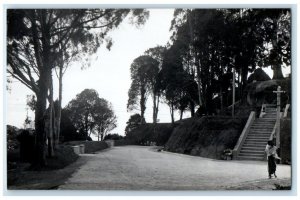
x,y
206,136
144,133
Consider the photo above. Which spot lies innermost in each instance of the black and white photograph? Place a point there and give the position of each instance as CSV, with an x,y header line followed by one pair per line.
x,y
148,99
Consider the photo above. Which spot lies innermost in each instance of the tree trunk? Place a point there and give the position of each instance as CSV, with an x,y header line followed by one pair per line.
x,y
58,119
221,98
142,104
244,78
154,108
157,105
43,62
192,108
172,112
199,86
86,128
277,72
51,116
40,113
181,114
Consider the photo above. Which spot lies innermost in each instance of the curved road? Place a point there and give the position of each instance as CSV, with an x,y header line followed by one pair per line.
x,y
143,168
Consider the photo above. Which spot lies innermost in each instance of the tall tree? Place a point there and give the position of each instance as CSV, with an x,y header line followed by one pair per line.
x,y
275,30
144,70
36,38
156,53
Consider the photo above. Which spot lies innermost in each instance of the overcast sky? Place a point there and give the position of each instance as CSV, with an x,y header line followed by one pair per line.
x,y
109,75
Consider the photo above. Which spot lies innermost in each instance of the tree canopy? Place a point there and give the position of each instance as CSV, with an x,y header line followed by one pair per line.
x,y
91,114
39,40
144,70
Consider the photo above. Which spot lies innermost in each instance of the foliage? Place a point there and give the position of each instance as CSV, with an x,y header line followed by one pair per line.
x,y
113,136
38,40
91,114
12,134
133,122
144,134
207,44
144,70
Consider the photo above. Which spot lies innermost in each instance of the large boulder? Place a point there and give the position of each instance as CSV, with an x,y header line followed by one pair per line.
x,y
258,75
261,92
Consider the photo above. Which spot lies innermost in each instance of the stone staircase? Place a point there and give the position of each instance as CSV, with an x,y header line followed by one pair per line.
x,y
255,143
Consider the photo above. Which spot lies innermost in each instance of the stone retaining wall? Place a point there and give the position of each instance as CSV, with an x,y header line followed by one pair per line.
x,y
89,146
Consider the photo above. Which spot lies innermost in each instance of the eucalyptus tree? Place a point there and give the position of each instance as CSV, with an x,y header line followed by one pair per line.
x,y
41,39
200,32
144,70
174,81
156,53
217,40
275,30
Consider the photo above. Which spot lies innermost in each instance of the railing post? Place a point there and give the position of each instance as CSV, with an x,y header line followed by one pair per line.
x,y
278,92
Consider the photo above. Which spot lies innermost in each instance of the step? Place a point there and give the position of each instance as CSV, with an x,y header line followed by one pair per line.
x,y
256,143
263,121
267,121
254,139
255,148
251,153
271,110
257,136
269,116
262,125
265,117
250,158
249,148
262,139
260,132
261,129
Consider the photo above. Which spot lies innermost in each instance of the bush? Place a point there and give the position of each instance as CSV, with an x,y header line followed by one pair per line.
x,y
113,137
64,155
26,140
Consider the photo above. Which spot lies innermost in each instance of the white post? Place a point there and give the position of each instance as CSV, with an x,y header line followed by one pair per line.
x,y
233,91
278,92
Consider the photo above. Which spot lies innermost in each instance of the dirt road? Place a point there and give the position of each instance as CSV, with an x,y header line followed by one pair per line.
x,y
143,168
